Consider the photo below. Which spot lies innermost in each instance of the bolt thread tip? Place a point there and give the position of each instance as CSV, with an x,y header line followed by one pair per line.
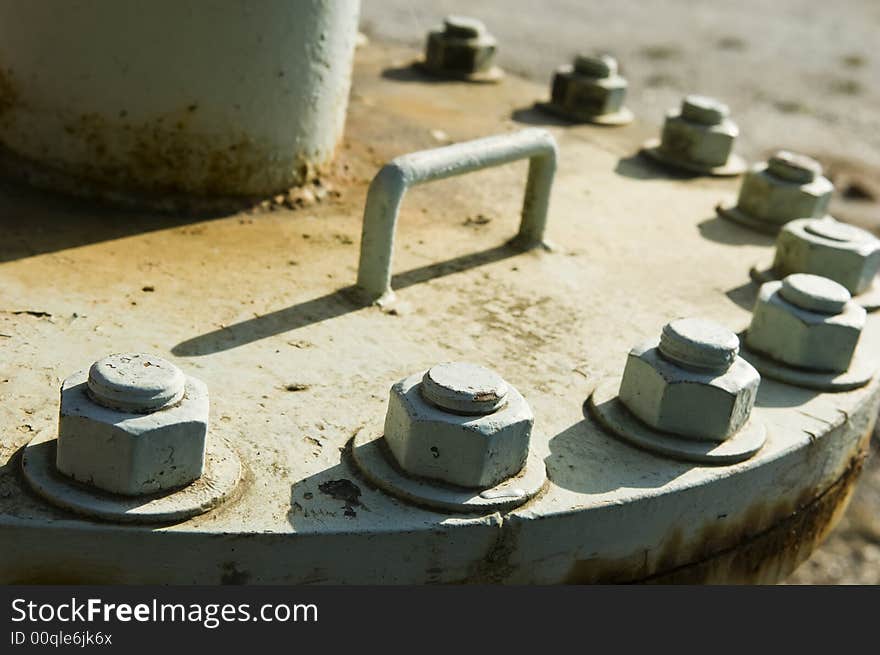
x,y
703,110
699,344
600,66
793,167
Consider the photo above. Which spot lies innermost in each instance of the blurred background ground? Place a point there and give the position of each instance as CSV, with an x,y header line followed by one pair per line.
x,y
797,74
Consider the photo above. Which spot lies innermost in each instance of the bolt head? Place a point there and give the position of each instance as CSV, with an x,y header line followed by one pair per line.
x,y
579,94
768,196
135,382
131,452
475,451
692,403
595,65
814,293
792,167
464,388
706,145
703,110
823,246
699,344
786,328
463,27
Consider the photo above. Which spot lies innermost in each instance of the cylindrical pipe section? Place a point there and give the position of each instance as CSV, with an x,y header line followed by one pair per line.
x,y
193,97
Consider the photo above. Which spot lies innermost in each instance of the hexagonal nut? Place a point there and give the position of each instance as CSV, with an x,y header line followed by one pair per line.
x,y
802,338
775,200
694,404
444,53
127,453
709,145
469,451
576,93
854,263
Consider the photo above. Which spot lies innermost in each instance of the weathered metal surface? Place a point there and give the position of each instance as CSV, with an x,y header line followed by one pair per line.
x,y
296,367
193,98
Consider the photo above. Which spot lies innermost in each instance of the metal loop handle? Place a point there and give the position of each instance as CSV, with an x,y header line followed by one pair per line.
x,y
392,181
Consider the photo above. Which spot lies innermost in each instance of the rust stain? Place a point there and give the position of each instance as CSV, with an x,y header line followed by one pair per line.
x,y
165,162
9,97
496,566
165,155
745,552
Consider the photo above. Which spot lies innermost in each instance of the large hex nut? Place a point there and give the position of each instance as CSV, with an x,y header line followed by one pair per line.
x,y
767,193
689,401
462,46
591,91
705,144
846,254
818,330
700,132
128,451
477,451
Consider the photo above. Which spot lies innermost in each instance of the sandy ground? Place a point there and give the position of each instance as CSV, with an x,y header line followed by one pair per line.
x,y
797,74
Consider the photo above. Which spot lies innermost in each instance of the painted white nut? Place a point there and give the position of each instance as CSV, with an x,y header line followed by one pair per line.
x,y
133,425
590,86
700,132
690,382
459,423
785,188
461,46
823,246
806,321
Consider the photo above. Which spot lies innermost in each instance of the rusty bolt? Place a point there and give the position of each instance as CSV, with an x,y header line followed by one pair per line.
x,y
787,187
823,246
134,425
589,87
459,423
462,46
806,321
701,132
691,381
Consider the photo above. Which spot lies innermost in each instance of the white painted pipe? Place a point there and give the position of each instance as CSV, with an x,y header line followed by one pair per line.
x,y
192,97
